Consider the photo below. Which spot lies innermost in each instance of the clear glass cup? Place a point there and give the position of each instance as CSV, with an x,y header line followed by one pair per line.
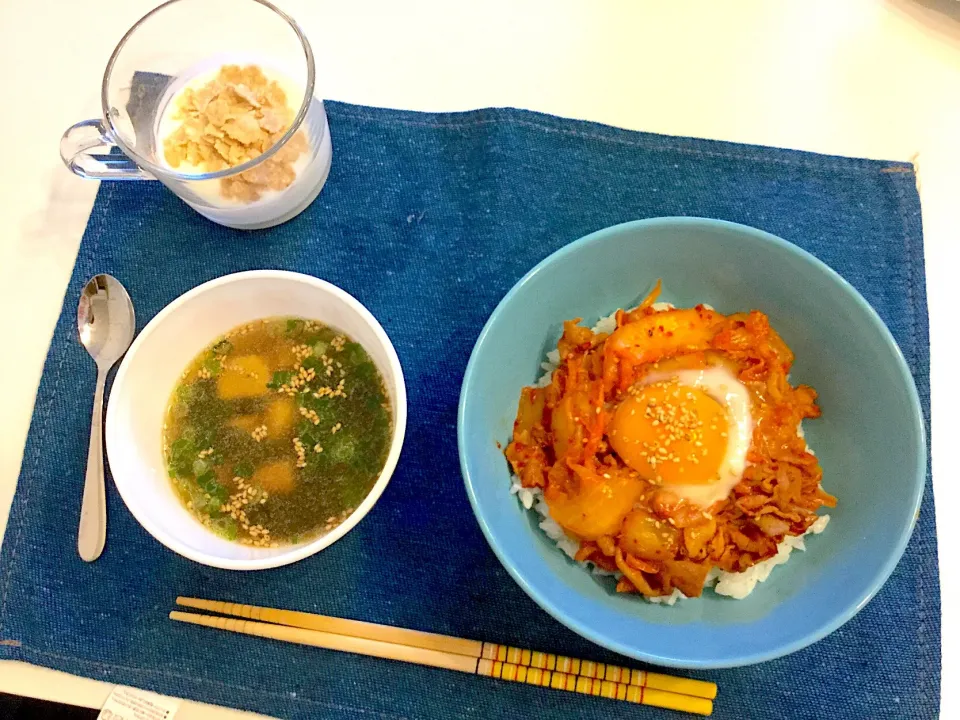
x,y
179,44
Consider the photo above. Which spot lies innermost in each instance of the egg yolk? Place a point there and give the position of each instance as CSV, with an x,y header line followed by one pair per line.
x,y
671,434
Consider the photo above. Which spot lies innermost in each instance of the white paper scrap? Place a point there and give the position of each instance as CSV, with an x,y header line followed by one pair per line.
x,y
127,703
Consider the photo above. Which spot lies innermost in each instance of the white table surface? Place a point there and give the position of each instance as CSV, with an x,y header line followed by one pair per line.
x,y
869,78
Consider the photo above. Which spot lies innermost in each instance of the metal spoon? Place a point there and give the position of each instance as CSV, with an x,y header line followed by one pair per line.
x,y
106,323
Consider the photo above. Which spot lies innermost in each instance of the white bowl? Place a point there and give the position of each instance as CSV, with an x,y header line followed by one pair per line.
x,y
153,365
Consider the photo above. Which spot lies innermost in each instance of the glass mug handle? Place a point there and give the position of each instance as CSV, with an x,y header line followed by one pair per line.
x,y
77,150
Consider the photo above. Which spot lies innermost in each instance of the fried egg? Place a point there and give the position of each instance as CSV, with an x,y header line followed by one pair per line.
x,y
687,430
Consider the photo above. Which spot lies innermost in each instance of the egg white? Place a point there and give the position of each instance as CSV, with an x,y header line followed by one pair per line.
x,y
724,387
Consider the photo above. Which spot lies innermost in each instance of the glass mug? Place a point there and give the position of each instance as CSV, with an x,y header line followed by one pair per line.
x,y
180,45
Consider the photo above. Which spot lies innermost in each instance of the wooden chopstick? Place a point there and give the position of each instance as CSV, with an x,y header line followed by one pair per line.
x,y
452,661
340,626
431,649
459,646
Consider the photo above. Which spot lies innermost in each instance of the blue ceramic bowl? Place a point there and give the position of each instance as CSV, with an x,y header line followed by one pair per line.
x,y
870,439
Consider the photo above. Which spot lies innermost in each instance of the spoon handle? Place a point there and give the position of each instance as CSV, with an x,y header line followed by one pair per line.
x,y
93,510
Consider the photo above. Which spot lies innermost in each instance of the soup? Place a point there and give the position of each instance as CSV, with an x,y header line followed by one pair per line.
x,y
277,431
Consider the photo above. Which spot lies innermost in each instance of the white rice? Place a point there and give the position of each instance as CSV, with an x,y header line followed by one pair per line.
x,y
733,585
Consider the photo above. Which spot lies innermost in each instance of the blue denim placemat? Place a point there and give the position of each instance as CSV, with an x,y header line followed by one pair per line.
x,y
429,219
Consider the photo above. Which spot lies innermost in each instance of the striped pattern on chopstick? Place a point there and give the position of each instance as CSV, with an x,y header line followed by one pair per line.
x,y
470,656
460,646
591,686
597,671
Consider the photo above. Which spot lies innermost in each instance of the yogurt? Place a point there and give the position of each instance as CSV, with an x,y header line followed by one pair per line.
x,y
273,206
